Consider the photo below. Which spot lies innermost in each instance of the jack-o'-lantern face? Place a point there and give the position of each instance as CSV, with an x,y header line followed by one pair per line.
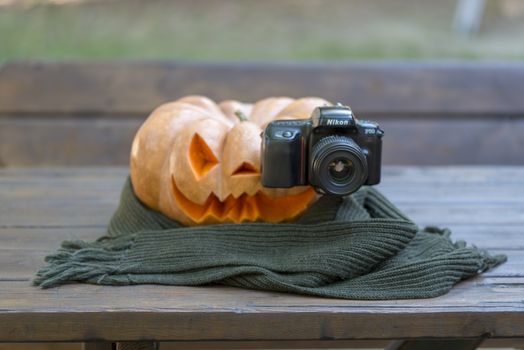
x,y
198,163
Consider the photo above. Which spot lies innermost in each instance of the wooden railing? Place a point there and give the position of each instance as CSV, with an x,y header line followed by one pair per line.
x,y
87,113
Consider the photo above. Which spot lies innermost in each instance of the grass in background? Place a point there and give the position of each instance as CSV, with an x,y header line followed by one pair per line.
x,y
255,30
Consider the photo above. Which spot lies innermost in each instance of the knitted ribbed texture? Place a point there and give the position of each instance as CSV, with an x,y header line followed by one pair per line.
x,y
358,247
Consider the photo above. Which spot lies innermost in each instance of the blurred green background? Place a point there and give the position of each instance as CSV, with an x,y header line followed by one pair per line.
x,y
254,30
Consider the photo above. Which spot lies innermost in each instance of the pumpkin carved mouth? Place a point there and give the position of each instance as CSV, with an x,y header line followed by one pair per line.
x,y
244,208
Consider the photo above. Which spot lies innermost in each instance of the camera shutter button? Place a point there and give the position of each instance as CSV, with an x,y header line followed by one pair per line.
x,y
287,134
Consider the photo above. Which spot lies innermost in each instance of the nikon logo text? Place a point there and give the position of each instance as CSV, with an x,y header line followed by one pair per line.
x,y
340,122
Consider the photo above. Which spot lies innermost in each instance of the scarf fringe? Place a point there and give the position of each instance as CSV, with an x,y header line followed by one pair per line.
x,y
487,261
81,261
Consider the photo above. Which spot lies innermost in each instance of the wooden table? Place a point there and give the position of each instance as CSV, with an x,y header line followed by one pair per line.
x,y
41,207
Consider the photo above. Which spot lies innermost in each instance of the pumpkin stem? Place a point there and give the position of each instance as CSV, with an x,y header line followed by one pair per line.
x,y
241,116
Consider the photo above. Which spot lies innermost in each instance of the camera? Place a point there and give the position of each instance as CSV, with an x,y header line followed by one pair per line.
x,y
332,151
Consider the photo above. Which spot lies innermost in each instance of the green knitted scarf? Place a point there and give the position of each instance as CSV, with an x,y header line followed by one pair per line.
x,y
357,247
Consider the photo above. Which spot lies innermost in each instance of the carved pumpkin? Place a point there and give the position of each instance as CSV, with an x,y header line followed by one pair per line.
x,y
198,163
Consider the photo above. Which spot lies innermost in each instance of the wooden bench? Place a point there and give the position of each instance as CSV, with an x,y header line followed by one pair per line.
x,y
56,115
42,207
87,114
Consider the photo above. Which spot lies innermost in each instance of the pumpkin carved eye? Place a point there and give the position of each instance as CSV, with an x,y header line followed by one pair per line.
x,y
201,157
245,169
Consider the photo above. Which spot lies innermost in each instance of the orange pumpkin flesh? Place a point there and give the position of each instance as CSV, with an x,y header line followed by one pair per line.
x,y
194,161
245,169
202,158
244,208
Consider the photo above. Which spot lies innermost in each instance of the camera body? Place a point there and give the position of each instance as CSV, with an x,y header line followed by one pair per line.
x,y
332,151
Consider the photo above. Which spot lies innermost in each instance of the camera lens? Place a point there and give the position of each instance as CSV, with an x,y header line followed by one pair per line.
x,y
341,169
338,165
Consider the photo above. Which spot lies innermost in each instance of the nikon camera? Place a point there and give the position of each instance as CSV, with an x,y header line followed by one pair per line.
x,y
332,151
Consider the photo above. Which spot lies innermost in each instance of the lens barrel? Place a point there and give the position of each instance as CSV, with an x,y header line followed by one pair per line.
x,y
338,165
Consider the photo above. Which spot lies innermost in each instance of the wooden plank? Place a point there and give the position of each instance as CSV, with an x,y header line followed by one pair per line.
x,y
78,141
103,172
407,192
40,346
440,191
21,264
436,344
97,346
504,237
498,184
432,141
83,200
282,344
223,345
325,344
137,345
70,212
45,239
371,88
441,175
481,294
209,345
488,305
33,141
233,325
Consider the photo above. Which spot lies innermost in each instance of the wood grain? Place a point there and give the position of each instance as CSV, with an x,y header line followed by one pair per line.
x,y
285,325
444,344
41,207
505,237
33,141
483,293
371,88
41,346
54,114
453,197
77,141
242,345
